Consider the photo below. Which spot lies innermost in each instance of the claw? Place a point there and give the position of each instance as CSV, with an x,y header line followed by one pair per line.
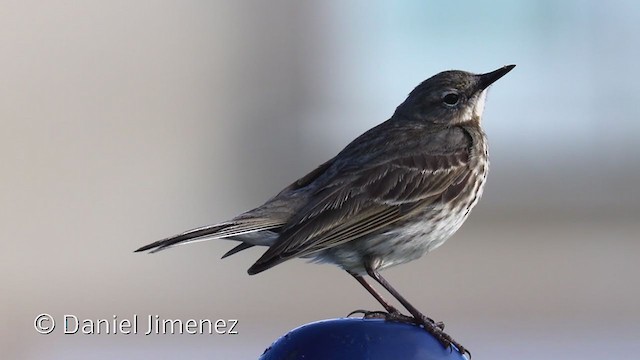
x,y
436,329
358,311
389,316
367,314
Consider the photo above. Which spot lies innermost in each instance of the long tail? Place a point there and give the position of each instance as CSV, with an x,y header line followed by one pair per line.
x,y
234,230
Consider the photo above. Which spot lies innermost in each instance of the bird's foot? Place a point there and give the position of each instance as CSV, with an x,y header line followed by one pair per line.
x,y
436,330
368,314
388,316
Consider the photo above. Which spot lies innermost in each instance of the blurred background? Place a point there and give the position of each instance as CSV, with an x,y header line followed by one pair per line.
x,y
126,122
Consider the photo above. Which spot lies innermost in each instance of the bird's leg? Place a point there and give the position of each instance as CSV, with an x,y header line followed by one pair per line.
x,y
382,281
435,329
391,313
390,309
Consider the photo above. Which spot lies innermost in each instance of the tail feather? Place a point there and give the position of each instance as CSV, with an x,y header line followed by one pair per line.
x,y
218,231
186,236
238,248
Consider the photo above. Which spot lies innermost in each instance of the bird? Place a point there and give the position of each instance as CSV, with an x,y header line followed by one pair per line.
x,y
392,195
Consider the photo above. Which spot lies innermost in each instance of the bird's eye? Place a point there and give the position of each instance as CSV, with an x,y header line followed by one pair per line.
x,y
451,99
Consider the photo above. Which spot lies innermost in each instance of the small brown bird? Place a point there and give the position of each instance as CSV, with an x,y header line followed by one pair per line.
x,y
395,193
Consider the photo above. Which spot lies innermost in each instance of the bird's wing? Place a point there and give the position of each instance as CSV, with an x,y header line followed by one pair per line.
x,y
360,202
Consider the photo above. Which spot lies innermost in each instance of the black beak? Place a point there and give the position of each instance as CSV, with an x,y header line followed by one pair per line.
x,y
489,78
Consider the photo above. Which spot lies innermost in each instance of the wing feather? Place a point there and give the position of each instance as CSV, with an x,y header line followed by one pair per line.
x,y
366,201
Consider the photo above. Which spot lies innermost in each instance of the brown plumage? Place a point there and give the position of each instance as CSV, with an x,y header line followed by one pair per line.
x,y
393,194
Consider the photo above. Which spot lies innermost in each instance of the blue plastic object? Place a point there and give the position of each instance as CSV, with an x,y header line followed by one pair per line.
x,y
355,339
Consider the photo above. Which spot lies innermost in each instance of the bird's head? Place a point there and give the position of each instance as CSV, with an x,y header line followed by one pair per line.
x,y
450,97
